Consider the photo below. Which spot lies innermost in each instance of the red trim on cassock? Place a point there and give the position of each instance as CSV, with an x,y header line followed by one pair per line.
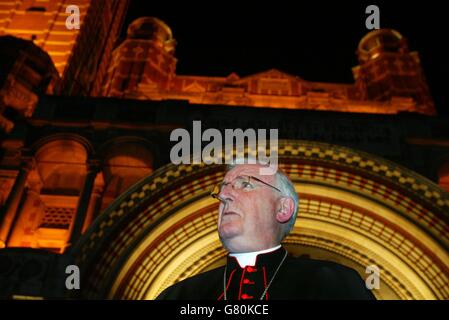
x,y
227,285
265,282
241,282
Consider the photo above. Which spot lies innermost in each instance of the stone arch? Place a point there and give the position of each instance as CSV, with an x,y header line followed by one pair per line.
x,y
356,209
126,160
61,163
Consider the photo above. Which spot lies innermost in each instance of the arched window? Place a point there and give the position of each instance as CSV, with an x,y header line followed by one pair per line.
x,y
62,167
124,164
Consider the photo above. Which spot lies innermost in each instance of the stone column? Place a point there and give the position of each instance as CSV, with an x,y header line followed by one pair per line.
x,y
84,201
95,202
9,211
24,226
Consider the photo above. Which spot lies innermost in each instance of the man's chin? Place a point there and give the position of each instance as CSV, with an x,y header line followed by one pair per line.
x,y
227,233
232,240
234,244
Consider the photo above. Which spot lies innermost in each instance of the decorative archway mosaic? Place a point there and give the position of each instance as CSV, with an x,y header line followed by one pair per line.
x,y
355,208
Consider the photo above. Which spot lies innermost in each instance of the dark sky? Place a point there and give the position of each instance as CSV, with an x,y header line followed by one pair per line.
x,y
315,40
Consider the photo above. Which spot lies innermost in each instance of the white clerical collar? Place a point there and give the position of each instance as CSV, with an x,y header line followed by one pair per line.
x,y
249,258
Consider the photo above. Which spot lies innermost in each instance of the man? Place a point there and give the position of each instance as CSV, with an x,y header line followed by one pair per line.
x,y
256,212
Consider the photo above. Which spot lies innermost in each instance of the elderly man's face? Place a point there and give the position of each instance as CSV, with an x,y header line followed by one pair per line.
x,y
248,221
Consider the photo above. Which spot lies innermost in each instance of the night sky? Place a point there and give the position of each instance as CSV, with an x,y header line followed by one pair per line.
x,y
315,40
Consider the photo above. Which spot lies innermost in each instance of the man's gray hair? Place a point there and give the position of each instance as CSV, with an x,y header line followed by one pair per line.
x,y
287,189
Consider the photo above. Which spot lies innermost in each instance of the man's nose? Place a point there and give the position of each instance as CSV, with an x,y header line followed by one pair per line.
x,y
226,197
227,192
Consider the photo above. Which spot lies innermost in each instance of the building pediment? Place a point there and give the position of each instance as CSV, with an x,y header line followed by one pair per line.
x,y
272,74
269,82
194,87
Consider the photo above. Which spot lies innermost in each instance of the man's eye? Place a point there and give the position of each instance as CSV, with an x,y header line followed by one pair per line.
x,y
247,185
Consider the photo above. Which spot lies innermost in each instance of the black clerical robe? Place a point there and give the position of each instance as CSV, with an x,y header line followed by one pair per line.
x,y
297,278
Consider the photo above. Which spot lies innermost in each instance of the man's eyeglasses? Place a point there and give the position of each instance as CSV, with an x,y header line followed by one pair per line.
x,y
245,183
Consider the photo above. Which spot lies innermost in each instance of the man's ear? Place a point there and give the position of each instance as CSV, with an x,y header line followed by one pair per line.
x,y
286,209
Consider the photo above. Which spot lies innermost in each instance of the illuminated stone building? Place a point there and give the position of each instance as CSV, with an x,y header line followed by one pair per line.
x,y
86,177
80,55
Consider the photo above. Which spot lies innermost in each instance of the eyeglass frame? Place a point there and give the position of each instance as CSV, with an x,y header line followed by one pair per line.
x,y
215,194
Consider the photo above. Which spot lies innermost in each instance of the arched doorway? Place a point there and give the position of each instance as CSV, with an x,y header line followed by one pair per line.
x,y
355,208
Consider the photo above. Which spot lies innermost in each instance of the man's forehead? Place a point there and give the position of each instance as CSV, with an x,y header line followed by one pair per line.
x,y
248,169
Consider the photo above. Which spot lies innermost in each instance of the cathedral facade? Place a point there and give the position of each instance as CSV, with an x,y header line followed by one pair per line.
x,y
86,178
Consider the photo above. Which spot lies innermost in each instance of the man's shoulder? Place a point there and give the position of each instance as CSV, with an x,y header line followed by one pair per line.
x,y
327,279
324,268
209,275
309,264
195,287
